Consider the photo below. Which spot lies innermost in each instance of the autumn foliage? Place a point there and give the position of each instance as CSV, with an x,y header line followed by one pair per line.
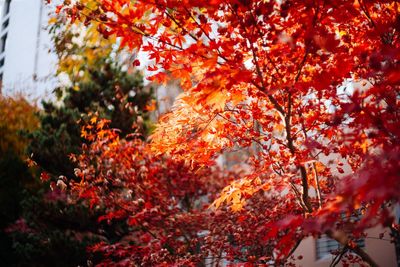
x,y
309,88
16,115
158,207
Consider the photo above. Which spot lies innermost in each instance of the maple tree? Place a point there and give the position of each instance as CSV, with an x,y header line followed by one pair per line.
x,y
312,87
159,206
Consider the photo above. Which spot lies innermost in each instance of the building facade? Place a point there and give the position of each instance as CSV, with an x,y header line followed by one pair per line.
x,y
317,252
26,63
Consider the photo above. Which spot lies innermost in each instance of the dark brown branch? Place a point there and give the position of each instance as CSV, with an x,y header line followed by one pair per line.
x,y
342,238
206,34
318,189
364,8
299,197
290,143
338,257
180,26
293,249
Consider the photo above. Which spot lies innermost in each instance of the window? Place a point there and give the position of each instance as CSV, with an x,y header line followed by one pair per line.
x,y
1,82
325,246
3,43
5,24
7,7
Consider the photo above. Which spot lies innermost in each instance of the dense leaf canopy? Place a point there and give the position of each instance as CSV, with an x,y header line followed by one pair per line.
x,y
311,87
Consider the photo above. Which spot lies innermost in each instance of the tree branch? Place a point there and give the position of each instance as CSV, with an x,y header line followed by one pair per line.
x,y
318,189
338,257
342,238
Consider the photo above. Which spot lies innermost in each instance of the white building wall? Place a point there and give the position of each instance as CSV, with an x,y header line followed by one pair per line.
x,y
382,251
28,65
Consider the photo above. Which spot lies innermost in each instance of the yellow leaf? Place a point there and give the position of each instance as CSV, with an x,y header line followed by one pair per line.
x,y
52,20
217,100
279,127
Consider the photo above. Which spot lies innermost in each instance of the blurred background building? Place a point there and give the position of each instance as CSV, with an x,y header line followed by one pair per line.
x,y
25,62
